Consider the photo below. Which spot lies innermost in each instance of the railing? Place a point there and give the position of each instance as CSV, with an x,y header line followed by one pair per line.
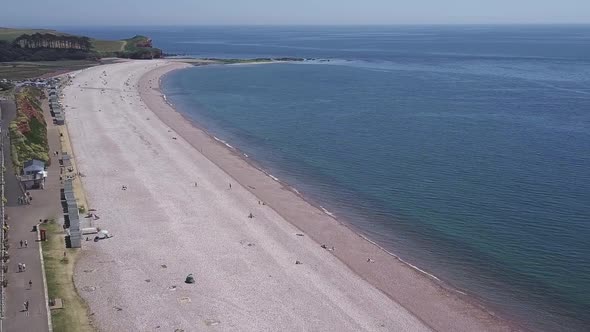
x,y
2,234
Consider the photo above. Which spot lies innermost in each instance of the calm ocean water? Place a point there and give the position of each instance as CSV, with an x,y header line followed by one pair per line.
x,y
465,149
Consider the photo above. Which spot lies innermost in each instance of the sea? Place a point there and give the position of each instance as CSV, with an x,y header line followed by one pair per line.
x,y
463,149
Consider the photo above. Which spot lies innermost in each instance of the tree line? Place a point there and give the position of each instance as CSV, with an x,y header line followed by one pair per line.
x,y
48,40
47,47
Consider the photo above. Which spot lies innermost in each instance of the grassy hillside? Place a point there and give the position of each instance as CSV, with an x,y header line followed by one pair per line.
x,y
28,132
9,35
108,46
27,53
101,46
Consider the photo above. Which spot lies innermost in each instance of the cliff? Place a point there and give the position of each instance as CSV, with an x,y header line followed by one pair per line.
x,y
139,47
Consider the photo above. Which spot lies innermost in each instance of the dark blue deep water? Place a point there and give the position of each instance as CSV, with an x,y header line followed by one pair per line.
x,y
464,149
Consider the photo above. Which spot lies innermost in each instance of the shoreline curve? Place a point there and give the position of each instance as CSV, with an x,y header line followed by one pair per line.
x,y
457,310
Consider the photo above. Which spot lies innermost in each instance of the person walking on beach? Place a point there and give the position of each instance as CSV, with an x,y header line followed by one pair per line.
x,y
21,243
26,244
230,186
20,267
30,284
27,305
24,267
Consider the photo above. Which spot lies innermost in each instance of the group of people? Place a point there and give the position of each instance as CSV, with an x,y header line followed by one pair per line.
x,y
22,267
26,199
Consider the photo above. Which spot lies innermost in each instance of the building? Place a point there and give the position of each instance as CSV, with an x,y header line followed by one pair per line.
x,y
34,174
33,166
60,119
65,161
71,216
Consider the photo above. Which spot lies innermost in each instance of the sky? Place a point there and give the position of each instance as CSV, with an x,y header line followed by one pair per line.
x,y
46,13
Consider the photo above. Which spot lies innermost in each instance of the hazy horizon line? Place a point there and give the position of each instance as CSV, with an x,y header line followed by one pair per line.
x,y
50,26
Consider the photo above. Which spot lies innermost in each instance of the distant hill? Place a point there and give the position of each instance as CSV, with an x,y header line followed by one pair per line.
x,y
51,45
8,34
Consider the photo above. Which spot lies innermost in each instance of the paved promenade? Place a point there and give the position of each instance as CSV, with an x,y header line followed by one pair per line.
x,y
45,205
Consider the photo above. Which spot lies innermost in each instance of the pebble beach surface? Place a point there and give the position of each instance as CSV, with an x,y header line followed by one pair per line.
x,y
177,202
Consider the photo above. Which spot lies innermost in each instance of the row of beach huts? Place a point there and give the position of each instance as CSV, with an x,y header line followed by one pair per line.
x,y
71,216
68,198
55,107
76,226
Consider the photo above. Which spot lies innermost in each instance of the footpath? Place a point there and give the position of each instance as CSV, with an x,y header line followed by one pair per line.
x,y
22,218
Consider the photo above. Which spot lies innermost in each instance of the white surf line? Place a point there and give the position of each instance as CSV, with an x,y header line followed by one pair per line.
x,y
401,260
328,212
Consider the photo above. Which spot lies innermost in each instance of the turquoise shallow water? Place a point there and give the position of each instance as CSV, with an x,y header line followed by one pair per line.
x,y
463,149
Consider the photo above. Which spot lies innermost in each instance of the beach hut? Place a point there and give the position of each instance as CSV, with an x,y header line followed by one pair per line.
x,y
60,119
65,160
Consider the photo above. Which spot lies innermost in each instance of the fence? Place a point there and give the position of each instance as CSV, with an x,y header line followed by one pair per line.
x,y
2,233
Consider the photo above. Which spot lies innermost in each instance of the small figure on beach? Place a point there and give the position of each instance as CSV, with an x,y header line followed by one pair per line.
x,y
250,215
196,185
298,263
123,187
30,283
26,244
24,267
369,260
190,279
230,186
26,306
20,267
324,246
21,243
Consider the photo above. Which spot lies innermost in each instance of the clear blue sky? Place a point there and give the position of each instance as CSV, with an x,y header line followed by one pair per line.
x,y
223,12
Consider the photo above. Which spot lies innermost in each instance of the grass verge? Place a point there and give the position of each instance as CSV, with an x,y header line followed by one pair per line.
x,y
25,70
59,272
